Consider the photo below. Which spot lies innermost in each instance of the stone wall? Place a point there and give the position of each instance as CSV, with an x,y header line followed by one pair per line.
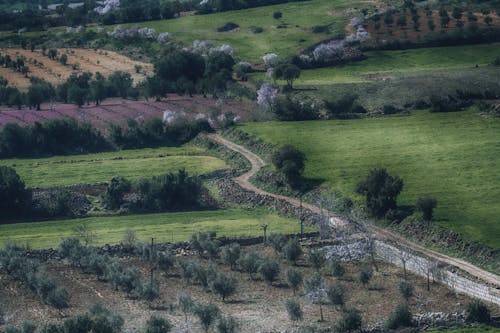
x,y
438,272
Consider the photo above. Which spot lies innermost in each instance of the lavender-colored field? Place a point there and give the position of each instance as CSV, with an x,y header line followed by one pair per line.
x,y
117,111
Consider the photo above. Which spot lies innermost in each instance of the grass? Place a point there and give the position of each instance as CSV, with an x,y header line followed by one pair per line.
x,y
251,46
164,227
101,167
475,329
380,63
453,157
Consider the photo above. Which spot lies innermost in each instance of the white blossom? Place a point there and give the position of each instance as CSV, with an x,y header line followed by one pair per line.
x,y
270,59
266,95
164,37
107,6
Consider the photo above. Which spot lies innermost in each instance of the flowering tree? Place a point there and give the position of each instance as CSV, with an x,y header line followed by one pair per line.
x,y
270,59
266,96
107,6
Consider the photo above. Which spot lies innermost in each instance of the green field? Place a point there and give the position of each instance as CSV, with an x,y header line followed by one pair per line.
x,y
300,18
453,157
385,63
476,329
164,227
101,167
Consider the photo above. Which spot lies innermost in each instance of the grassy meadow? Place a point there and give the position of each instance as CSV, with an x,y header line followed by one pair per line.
x,y
101,167
383,64
164,227
453,157
298,18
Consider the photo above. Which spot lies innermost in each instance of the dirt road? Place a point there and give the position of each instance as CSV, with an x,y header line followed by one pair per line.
x,y
257,163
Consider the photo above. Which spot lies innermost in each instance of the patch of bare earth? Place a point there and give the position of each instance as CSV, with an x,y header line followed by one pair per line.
x,y
257,305
78,62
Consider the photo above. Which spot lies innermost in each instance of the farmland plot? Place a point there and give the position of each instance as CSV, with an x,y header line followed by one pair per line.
x,y
78,61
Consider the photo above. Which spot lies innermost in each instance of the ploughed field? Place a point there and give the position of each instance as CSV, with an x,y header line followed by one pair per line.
x,y
453,157
117,111
78,61
256,305
101,167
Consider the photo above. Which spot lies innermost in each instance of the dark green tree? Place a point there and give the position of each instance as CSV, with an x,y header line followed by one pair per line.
x,y
381,191
291,163
15,198
426,205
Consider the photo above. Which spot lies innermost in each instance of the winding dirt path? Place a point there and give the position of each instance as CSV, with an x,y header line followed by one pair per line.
x,y
257,163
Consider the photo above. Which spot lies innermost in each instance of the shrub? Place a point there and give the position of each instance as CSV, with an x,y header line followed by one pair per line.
x,y
294,278
58,298
157,325
206,314
227,325
364,275
228,27
2,316
313,283
316,259
343,107
350,320
150,291
406,289
294,310
277,241
291,163
292,250
224,285
165,260
15,198
336,295
185,303
336,268
477,311
249,263
496,62
381,191
390,109
277,15
116,189
269,268
288,109
230,254
401,317
426,205
257,30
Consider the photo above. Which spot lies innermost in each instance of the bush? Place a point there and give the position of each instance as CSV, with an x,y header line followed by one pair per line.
x,y
478,312
228,27
269,268
206,314
249,263
277,241
294,310
350,320
150,291
291,163
406,290
336,269
116,189
316,259
401,317
15,198
292,250
343,107
381,191
390,109
426,205
230,254
288,109
257,30
277,15
228,325
157,325
496,62
224,285
294,278
336,295
364,275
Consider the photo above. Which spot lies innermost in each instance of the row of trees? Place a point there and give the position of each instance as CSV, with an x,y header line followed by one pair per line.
x,y
169,192
67,136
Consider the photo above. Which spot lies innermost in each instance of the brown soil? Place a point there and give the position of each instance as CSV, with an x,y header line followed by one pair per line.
x,y
86,60
258,306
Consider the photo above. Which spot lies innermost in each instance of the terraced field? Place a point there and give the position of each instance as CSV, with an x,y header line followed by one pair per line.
x,y
101,167
164,227
453,157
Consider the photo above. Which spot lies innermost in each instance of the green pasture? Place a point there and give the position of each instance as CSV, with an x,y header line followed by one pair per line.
x,y
299,18
383,65
164,227
101,167
453,157
475,329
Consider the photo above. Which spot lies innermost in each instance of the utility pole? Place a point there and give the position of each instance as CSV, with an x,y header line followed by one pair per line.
x,y
151,261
